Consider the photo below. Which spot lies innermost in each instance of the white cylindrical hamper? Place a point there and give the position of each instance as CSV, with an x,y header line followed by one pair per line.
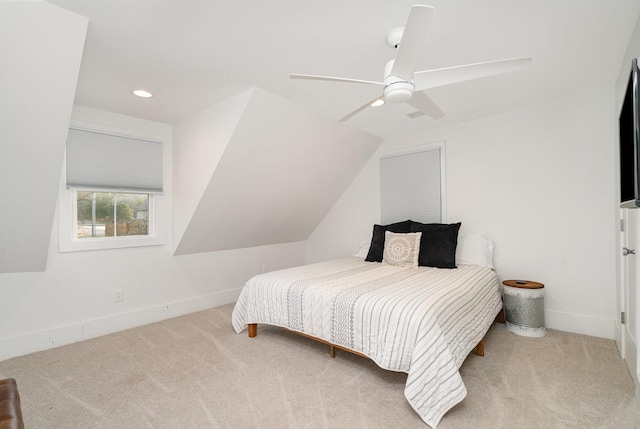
x,y
524,307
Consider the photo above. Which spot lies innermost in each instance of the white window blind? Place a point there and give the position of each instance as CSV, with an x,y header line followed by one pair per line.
x,y
97,160
411,186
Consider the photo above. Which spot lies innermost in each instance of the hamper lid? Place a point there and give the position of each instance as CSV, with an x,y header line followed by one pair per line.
x,y
524,284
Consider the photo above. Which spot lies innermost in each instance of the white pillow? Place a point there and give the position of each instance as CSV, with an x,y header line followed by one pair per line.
x,y
365,244
475,249
401,249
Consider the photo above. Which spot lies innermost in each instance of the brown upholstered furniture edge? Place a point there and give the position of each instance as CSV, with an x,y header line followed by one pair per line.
x,y
10,411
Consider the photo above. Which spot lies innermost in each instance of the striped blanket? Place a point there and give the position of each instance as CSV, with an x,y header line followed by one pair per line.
x,y
422,321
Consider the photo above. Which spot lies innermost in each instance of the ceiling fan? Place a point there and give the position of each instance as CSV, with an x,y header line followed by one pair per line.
x,y
402,84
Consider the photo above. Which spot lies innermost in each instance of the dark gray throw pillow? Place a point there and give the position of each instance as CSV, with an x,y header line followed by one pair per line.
x,y
376,250
438,244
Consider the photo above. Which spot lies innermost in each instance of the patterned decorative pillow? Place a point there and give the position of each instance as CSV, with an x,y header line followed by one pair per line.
x,y
401,249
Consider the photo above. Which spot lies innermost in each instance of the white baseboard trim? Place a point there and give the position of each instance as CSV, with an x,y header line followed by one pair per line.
x,y
618,338
580,324
61,335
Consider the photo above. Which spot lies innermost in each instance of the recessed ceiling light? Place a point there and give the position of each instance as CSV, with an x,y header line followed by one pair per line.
x,y
378,102
142,93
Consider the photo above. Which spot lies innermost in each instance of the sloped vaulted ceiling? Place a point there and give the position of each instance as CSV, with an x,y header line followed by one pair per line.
x,y
271,179
41,47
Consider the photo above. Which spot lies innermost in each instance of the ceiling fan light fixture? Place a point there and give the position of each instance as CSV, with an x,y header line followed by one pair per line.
x,y
378,102
398,92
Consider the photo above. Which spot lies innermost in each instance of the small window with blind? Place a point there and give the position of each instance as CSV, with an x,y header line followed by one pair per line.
x,y
412,185
112,192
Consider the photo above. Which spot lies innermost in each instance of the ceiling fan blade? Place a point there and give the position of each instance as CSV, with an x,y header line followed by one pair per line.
x,y
333,79
412,40
358,110
440,77
423,103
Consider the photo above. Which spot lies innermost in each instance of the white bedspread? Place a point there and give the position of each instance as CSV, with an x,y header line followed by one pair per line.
x,y
422,321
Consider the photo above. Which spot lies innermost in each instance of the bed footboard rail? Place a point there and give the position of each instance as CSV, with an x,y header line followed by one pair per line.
x,y
252,329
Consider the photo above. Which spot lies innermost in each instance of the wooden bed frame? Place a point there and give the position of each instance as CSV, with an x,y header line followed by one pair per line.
x,y
252,329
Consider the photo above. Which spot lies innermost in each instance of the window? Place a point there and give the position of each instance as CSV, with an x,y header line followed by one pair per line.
x,y
412,185
111,193
111,214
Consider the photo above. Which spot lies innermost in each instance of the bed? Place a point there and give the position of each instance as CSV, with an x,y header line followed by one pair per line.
x,y
420,320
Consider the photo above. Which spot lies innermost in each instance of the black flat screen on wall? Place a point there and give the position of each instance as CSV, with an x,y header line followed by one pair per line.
x,y
629,142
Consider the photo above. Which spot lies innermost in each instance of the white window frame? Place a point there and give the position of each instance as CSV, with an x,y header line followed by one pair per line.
x,y
68,240
416,149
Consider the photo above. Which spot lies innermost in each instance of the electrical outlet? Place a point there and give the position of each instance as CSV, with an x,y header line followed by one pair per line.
x,y
119,295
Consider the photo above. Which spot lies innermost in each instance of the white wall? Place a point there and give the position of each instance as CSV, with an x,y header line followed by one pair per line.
x,y
203,139
41,47
540,181
282,169
73,299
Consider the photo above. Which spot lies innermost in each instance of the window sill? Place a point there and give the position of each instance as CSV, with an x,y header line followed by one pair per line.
x,y
89,244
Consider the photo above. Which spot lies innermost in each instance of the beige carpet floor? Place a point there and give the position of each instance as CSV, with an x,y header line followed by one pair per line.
x,y
195,372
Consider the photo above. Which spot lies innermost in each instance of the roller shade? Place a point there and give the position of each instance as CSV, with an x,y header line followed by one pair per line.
x,y
411,187
97,160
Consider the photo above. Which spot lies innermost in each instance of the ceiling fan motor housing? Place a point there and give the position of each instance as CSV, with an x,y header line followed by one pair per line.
x,y
397,90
